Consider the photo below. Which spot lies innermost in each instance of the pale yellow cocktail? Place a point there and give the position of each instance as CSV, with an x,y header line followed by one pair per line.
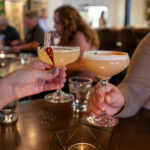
x,y
62,56
105,64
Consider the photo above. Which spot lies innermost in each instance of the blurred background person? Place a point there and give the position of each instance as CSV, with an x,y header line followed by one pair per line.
x,y
34,36
44,21
11,36
102,20
74,31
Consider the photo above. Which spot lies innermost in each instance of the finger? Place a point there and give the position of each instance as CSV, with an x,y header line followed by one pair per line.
x,y
98,101
52,86
48,66
92,98
38,64
109,88
93,109
62,75
114,98
99,96
62,72
46,75
63,69
57,81
62,81
90,113
102,89
98,85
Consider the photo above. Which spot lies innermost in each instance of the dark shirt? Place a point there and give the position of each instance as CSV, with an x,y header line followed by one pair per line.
x,y
10,35
35,35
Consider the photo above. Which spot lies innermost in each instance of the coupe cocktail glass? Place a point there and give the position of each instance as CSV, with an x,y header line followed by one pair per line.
x,y
62,56
104,64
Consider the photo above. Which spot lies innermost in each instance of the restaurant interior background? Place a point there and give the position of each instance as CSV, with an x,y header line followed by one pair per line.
x,y
37,119
115,11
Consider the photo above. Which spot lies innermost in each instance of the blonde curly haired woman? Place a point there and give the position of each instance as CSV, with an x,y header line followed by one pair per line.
x,y
74,31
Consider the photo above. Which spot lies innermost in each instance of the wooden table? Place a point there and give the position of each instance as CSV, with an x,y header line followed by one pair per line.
x,y
39,119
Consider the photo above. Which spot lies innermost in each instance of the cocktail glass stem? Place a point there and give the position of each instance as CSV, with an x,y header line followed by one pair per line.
x,y
59,81
59,91
103,85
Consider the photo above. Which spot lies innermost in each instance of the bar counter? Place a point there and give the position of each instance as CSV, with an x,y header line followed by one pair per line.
x,y
38,120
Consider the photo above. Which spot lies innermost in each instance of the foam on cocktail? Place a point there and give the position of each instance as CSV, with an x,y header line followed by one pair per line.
x,y
105,55
57,49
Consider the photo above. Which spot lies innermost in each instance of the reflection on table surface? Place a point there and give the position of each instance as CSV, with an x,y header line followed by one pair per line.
x,y
39,119
11,62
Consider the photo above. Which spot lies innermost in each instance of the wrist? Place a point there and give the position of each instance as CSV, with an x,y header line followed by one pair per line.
x,y
121,108
6,93
19,48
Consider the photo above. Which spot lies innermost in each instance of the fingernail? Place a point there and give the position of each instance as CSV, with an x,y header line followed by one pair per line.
x,y
54,71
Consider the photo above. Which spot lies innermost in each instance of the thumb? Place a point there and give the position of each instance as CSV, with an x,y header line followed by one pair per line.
x,y
114,97
47,75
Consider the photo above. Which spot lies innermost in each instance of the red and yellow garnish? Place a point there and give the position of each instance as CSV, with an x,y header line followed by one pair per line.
x,y
50,53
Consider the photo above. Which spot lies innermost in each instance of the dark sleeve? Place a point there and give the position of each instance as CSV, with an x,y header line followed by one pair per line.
x,y
39,36
15,35
11,35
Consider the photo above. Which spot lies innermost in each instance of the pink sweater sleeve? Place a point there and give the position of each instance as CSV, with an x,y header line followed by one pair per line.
x,y
136,85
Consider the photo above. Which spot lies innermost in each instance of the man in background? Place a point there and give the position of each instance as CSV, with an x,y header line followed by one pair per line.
x,y
11,37
34,36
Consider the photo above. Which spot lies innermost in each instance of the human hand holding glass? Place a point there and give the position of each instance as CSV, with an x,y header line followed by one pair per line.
x,y
62,56
114,100
104,64
28,80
